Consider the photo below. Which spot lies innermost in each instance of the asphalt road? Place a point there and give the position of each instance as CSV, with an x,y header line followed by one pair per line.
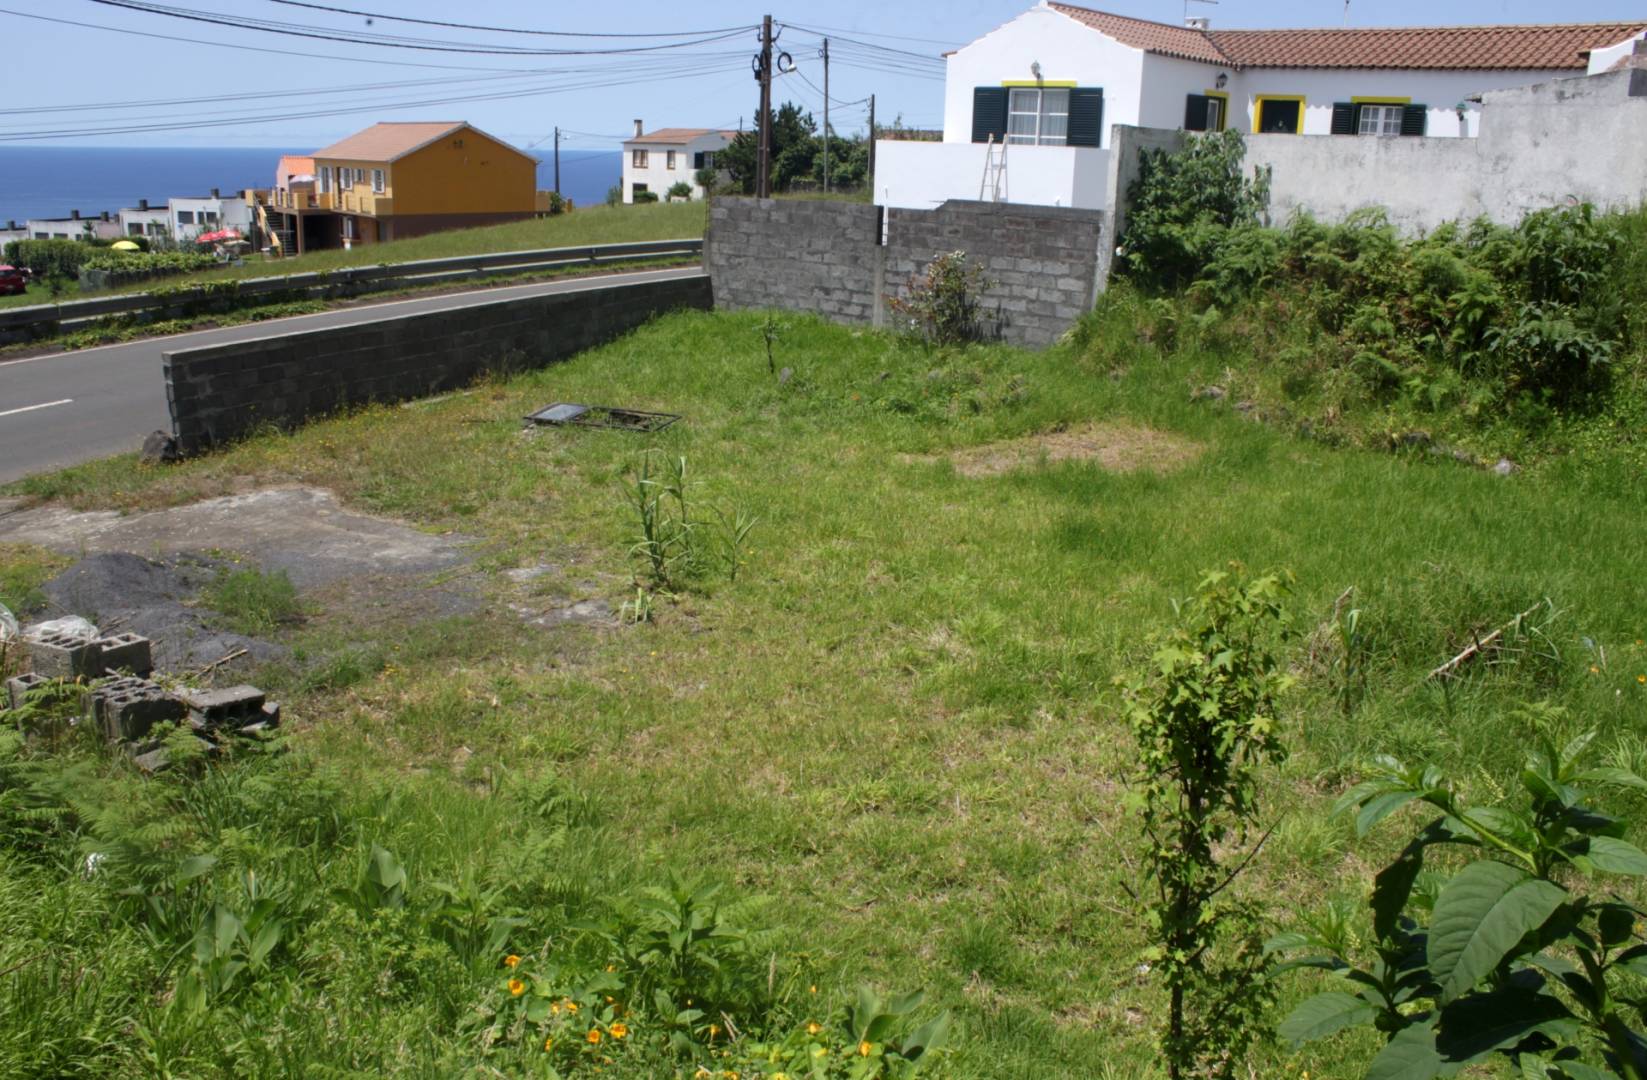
x,y
70,407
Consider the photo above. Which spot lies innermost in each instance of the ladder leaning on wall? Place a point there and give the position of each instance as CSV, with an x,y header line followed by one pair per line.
x,y
993,184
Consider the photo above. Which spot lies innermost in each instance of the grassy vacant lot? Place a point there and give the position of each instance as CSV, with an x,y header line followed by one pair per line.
x,y
593,225
896,723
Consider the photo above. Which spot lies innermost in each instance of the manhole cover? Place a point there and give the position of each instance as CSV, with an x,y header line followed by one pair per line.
x,y
569,414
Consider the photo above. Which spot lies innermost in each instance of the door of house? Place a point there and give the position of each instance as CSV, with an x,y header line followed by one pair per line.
x,y
1279,117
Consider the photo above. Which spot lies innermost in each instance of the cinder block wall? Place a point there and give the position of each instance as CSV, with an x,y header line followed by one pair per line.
x,y
221,392
828,258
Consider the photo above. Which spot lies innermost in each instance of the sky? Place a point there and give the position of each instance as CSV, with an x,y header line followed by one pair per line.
x,y
200,83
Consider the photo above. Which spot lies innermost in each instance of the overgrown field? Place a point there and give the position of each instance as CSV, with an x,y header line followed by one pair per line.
x,y
896,725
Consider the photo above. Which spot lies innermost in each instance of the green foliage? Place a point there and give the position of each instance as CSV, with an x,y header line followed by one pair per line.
x,y
675,546
559,204
1183,206
1528,955
798,150
1204,718
254,602
680,189
614,195
944,305
640,198
50,258
122,267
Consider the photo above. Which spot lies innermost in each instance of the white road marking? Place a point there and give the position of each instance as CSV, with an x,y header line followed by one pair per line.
x,y
31,408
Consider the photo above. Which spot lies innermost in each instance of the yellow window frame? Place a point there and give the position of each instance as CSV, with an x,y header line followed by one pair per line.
x,y
1258,109
1224,110
1031,84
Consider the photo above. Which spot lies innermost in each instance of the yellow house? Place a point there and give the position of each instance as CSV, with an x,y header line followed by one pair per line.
x,y
395,180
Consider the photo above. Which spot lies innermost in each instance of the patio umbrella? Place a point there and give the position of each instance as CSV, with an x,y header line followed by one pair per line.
x,y
217,237
124,245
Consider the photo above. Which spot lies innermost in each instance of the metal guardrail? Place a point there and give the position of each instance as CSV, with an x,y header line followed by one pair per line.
x,y
37,320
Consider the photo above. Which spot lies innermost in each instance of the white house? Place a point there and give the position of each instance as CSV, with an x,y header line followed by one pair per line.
x,y
658,161
1028,107
73,227
145,220
192,215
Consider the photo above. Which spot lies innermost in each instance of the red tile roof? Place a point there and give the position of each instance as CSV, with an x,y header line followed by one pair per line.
x,y
1556,47
679,136
387,141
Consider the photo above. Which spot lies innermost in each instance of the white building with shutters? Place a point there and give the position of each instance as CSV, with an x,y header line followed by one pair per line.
x,y
654,162
1028,107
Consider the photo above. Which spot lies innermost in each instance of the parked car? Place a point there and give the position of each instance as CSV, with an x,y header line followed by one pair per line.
x,y
13,282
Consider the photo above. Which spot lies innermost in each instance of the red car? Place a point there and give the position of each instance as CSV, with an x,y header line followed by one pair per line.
x,y
13,282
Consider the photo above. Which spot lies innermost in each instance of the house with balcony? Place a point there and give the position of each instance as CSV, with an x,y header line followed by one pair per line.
x,y
397,180
1028,107
194,215
656,161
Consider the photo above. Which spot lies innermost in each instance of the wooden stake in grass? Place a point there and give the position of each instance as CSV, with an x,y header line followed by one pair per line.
x,y
1203,714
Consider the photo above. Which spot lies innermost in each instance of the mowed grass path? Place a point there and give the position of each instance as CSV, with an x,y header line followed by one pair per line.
x,y
591,225
898,721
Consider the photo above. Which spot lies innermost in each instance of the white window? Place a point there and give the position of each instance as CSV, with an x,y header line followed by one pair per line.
x,y
377,180
185,217
346,178
1380,120
208,217
325,179
670,163
1215,113
1038,117
638,159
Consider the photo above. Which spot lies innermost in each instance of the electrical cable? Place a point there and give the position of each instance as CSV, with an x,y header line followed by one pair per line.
x,y
505,29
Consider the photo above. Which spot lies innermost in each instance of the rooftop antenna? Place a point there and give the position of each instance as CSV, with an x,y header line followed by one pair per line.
x,y
1346,12
1187,3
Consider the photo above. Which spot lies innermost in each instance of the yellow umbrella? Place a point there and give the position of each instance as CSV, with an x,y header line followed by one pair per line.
x,y
124,245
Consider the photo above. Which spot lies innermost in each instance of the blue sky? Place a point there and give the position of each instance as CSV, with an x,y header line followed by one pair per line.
x,y
123,78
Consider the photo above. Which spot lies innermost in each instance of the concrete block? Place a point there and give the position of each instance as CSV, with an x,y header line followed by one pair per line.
x,y
231,707
59,656
126,652
128,708
20,685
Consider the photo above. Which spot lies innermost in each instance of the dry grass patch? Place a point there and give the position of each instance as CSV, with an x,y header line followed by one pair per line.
x,y
1118,447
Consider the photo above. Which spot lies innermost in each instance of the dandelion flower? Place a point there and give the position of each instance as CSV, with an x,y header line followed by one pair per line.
x,y
593,1036
1594,670
1641,678
611,967
812,989
864,1048
571,1006
618,1030
813,1027
516,987
820,1051
511,960
548,1045
714,1029
554,1008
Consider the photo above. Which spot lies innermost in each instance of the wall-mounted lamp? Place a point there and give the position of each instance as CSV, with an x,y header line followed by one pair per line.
x,y
1222,81
1035,69
1461,108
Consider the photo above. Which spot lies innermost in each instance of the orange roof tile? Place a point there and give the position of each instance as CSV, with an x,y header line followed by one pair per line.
x,y
1554,47
388,141
678,135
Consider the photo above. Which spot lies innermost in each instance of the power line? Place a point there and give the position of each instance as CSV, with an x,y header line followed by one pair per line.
x,y
506,29
386,40
869,45
867,33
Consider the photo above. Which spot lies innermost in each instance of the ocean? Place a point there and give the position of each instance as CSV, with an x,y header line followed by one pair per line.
x,y
50,181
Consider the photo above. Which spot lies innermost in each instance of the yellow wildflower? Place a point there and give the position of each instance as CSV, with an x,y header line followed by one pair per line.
x,y
1594,670
618,1030
511,960
571,1006
864,1048
593,1036
714,1030
554,1008
516,987
820,1051
813,1027
548,1045
812,989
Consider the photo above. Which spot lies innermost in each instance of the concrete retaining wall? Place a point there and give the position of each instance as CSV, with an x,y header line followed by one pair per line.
x,y
221,392
829,258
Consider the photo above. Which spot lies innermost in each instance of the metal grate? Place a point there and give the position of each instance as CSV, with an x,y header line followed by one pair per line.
x,y
568,414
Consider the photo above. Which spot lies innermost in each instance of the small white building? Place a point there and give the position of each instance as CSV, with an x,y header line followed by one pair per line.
x,y
73,227
1028,107
153,222
191,215
657,161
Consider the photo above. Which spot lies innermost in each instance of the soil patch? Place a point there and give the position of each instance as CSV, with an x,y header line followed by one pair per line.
x,y
1116,447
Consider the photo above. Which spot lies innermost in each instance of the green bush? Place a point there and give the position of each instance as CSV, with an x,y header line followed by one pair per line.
x,y
645,197
1183,205
50,258
680,190
121,267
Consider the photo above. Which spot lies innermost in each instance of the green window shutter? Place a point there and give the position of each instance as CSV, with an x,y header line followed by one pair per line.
x,y
1195,112
1086,116
1414,118
989,113
1346,118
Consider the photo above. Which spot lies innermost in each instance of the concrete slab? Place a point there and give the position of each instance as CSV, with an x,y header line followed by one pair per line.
x,y
303,531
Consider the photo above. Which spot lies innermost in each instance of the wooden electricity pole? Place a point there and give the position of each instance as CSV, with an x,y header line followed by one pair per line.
x,y
826,114
871,147
763,155
557,161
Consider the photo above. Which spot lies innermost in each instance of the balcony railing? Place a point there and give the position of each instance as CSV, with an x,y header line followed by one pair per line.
x,y
364,202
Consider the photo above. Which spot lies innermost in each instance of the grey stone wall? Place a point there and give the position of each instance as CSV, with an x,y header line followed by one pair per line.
x,y
828,258
221,392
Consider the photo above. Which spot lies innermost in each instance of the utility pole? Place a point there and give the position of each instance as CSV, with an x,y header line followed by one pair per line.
x,y
763,153
826,114
871,147
557,161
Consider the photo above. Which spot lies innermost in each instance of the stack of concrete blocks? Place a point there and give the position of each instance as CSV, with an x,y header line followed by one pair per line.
x,y
69,656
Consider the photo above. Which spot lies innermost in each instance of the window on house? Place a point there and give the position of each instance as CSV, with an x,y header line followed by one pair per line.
x,y
377,180
185,217
1038,117
636,189
42,236
346,179
325,179
1204,112
669,163
638,159
1280,116
1379,120
134,228
208,217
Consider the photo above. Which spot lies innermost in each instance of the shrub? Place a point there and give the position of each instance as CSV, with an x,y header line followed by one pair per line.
x,y
680,190
1183,204
559,204
50,258
109,268
945,304
645,197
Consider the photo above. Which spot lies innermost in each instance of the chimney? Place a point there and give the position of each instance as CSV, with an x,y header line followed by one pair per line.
x,y
639,130
1198,22
214,193
142,204
11,225
74,214
105,215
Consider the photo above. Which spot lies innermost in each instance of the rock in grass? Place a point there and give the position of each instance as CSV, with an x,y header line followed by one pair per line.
x,y
1505,467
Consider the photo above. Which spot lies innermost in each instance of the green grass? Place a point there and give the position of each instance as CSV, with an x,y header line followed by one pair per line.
x,y
897,723
586,225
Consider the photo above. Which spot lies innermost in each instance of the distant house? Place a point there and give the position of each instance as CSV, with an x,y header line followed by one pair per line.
x,y
657,161
1029,106
192,215
73,227
153,222
395,180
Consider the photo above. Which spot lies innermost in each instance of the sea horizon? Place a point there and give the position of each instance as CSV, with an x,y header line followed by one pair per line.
x,y
52,181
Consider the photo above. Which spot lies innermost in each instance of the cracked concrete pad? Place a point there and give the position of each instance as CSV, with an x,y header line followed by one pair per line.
x,y
303,531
